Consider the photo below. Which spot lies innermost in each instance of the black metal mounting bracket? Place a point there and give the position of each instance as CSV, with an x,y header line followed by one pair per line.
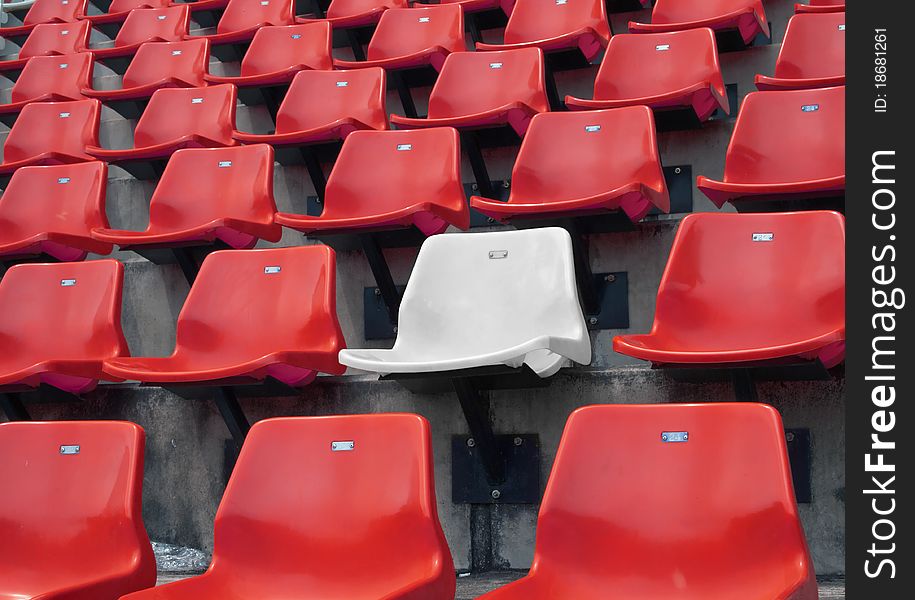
x,y
13,400
604,296
501,189
13,408
685,119
620,6
188,257
800,202
799,456
232,413
229,52
730,40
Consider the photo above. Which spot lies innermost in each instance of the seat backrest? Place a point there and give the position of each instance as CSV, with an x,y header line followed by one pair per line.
x,y
66,199
246,14
119,6
677,11
224,183
65,128
377,484
276,48
54,78
56,38
55,11
644,65
72,485
569,155
318,98
404,31
181,64
793,288
246,304
381,171
154,25
351,8
64,311
533,20
485,292
174,113
814,46
473,82
811,145
660,500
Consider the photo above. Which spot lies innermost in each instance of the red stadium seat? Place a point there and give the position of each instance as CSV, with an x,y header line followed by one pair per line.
x,y
821,6
207,194
242,19
277,53
50,79
51,39
812,54
345,14
486,89
407,38
258,555
749,288
118,10
179,118
585,162
747,16
556,25
806,159
59,322
148,25
323,106
662,71
47,11
392,179
265,313
73,485
471,6
52,210
651,501
51,133
160,65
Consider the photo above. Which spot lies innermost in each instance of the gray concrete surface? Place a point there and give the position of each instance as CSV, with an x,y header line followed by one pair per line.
x,y
185,463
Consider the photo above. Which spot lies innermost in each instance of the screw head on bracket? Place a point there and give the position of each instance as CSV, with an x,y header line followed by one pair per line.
x,y
610,278
592,320
789,436
496,494
518,441
471,442
377,291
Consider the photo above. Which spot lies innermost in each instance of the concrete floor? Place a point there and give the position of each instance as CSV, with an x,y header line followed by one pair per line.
x,y
470,586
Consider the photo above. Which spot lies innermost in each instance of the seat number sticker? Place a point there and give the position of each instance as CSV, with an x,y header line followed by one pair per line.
x,y
196,100
424,19
662,47
592,128
810,107
842,27
673,437
67,282
403,147
63,180
225,163
70,449
495,65
342,83
296,36
763,237
272,270
64,115
63,65
345,446
497,254
176,52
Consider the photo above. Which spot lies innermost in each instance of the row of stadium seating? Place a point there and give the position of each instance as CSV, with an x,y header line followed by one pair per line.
x,y
627,508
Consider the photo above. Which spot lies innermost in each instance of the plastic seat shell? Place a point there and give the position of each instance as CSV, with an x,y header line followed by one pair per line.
x,y
661,70
51,133
812,54
610,492
776,294
807,159
747,16
486,89
50,79
52,210
347,14
118,10
169,24
242,19
47,11
482,299
275,529
50,39
820,6
252,314
55,502
583,163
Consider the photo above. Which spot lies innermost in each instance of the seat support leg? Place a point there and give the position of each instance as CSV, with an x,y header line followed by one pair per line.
x,y
744,386
13,407
232,414
552,92
583,274
272,100
188,265
354,43
473,27
476,409
406,96
382,273
318,180
471,143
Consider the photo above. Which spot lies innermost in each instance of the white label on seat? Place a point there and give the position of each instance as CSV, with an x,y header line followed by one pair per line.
x,y
69,449
296,36
265,2
63,180
67,282
592,128
495,65
65,32
842,27
161,17
225,163
63,65
763,237
810,107
662,47
561,2
342,83
424,19
496,254
347,446
402,147
675,436
176,52
272,270
196,100
64,115
65,2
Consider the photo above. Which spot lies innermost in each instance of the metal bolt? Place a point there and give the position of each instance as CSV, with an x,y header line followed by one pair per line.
x,y
471,443
319,201
490,220
610,278
507,183
663,437
677,170
789,436
377,291
518,441
592,320
496,494
395,329
474,187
